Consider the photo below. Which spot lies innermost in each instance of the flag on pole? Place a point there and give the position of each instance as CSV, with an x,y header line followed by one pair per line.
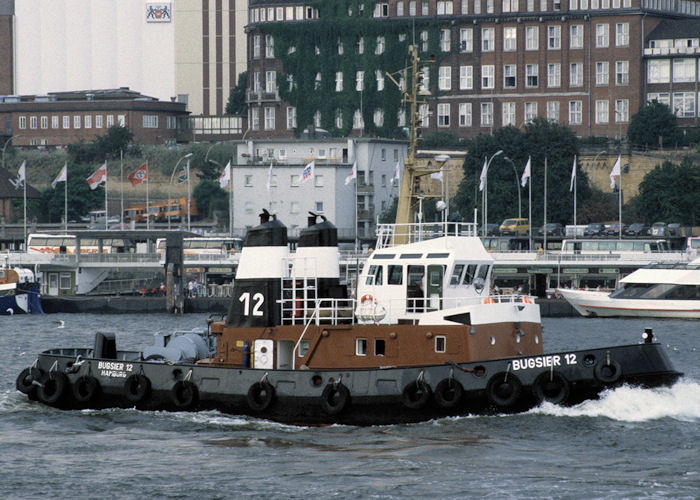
x,y
573,175
98,177
437,175
615,171
21,175
482,177
353,174
139,175
308,172
62,176
225,176
184,174
397,172
526,173
269,178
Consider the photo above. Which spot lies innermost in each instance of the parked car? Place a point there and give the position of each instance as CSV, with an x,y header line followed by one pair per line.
x,y
659,229
674,229
613,229
515,227
552,229
593,229
636,229
491,230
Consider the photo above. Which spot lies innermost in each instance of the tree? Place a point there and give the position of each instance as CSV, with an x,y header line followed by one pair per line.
x,y
654,125
660,198
236,104
442,140
81,199
539,141
209,196
103,147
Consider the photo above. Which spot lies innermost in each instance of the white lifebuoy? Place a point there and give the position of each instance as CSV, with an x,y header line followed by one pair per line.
x,y
368,297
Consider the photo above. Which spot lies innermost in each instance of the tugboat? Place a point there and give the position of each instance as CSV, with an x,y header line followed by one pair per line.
x,y
423,338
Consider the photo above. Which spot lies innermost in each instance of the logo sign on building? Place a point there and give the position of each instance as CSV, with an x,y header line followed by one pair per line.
x,y
159,12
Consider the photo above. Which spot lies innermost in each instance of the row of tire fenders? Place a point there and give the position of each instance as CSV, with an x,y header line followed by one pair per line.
x,y
503,389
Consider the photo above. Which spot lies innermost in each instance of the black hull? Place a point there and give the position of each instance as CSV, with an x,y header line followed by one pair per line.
x,y
356,397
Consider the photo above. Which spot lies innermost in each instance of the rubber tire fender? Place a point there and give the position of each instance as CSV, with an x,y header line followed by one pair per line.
x,y
448,393
335,398
184,394
551,386
260,396
25,380
416,394
504,389
608,373
53,387
136,387
85,388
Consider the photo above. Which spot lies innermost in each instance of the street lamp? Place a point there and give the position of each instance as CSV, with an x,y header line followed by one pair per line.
x,y
170,185
5,145
485,197
517,184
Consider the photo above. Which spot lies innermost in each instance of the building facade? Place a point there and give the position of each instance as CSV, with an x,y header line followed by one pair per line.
x,y
268,174
487,64
6,53
62,118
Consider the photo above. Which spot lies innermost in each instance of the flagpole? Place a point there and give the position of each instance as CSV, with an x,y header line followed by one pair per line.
x,y
529,209
121,182
619,208
544,222
148,212
65,201
106,207
230,202
188,194
356,235
25,207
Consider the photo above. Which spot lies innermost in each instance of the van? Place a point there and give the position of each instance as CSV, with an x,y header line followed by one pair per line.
x,y
515,227
693,247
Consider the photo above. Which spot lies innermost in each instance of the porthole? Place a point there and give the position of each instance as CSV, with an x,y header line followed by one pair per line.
x,y
316,380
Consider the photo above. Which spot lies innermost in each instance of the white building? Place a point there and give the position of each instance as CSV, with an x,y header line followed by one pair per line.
x,y
356,204
161,49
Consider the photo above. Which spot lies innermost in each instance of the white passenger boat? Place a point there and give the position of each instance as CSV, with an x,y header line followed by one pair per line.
x,y
661,291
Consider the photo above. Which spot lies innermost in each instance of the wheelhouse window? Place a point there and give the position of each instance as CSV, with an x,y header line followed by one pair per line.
x,y
440,343
361,347
395,275
374,276
379,347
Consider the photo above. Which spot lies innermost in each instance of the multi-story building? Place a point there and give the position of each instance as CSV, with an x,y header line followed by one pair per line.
x,y
62,118
268,174
6,38
486,63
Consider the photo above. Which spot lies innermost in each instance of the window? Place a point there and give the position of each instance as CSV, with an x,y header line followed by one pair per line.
x,y
622,110
88,121
575,112
530,111
487,40
531,75
465,114
543,5
317,119
508,114
554,75
683,70
66,122
487,77
509,76
412,8
380,80
399,8
424,41
465,6
425,74
256,82
440,342
662,97
601,73
576,75
255,118
466,39
271,81
443,111
380,344
466,78
445,40
445,77
489,6
33,122
659,71
269,46
76,122
381,10
622,34
44,121
477,6
378,117
576,39
532,37
361,347
509,6
64,281
121,120
601,111
554,37
424,115
360,46
683,105
602,35
339,81
357,120
319,206
379,47
317,81
256,46
622,72
291,118
510,41
486,114
360,81
150,121
98,121
424,8
553,111
269,118
249,180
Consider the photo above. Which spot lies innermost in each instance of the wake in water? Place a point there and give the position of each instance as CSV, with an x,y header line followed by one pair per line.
x,y
635,404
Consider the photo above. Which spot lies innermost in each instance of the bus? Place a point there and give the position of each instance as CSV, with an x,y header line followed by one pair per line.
x,y
158,211
613,246
67,244
204,245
